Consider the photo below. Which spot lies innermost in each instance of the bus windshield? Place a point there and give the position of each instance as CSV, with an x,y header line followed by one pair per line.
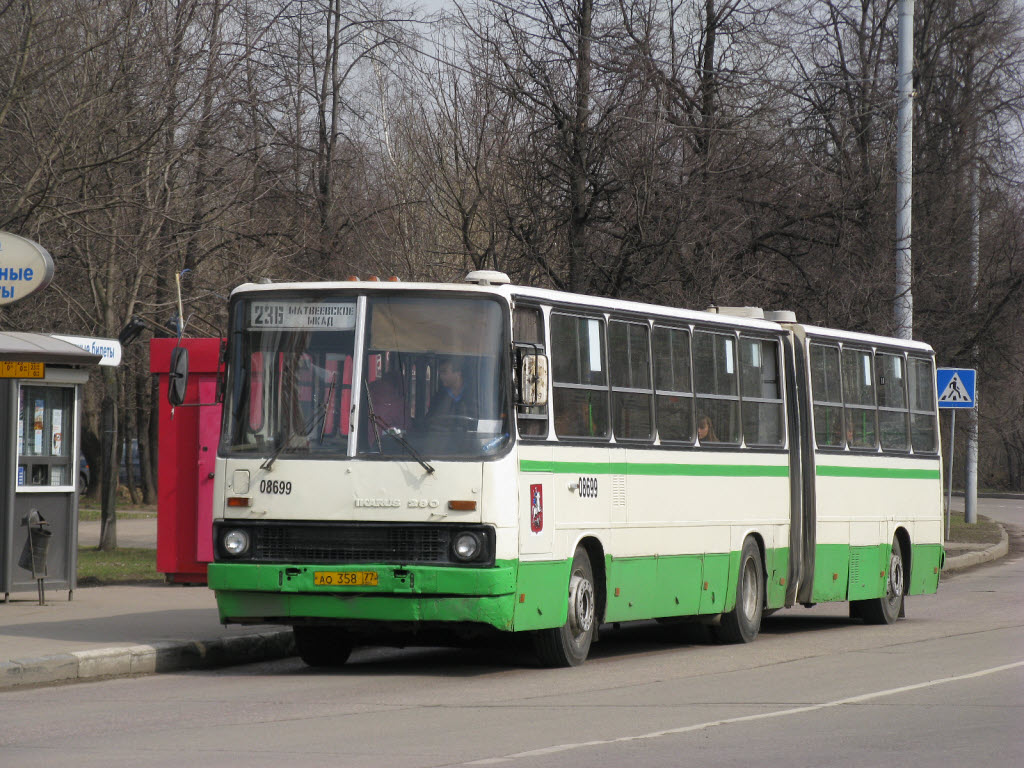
x,y
434,378
290,375
433,383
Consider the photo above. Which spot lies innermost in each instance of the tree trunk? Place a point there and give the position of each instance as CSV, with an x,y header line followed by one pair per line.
x,y
109,445
143,419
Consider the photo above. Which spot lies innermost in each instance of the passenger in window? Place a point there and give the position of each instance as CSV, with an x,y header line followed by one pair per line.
x,y
705,431
454,398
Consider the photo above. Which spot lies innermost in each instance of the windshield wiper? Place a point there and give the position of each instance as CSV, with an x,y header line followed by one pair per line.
x,y
317,415
269,461
324,405
379,423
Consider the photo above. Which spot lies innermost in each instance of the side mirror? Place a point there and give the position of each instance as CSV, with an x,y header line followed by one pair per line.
x,y
178,378
222,375
534,380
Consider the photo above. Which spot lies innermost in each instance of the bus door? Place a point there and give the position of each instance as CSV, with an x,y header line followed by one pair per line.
x,y
801,478
838,376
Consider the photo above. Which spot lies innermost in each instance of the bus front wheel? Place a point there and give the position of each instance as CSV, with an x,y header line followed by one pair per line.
x,y
743,622
321,646
885,610
569,644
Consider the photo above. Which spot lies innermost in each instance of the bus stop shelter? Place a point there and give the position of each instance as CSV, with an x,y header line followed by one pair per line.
x,y
41,380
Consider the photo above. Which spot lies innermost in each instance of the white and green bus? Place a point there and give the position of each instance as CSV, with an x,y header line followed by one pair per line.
x,y
401,461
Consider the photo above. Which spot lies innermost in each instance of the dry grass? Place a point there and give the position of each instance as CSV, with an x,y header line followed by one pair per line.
x,y
985,531
120,566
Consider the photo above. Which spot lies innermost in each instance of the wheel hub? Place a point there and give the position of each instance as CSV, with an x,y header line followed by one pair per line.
x,y
895,577
749,590
581,604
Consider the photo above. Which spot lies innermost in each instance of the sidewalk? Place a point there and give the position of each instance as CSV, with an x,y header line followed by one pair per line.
x,y
114,631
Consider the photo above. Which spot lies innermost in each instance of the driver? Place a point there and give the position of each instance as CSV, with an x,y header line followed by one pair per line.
x,y
454,398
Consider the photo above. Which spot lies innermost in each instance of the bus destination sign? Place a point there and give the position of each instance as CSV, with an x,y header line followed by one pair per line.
x,y
303,314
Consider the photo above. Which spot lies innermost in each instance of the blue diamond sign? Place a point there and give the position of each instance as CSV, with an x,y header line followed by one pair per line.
x,y
956,387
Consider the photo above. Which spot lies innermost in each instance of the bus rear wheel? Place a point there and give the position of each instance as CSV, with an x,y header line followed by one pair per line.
x,y
743,622
885,610
321,646
569,644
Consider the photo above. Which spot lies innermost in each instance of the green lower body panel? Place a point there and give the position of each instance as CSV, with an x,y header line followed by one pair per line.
x,y
655,587
831,572
630,593
868,571
542,591
842,572
776,573
286,593
678,587
718,588
925,565
684,585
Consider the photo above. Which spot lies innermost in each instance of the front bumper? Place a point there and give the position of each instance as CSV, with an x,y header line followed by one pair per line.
x,y
286,594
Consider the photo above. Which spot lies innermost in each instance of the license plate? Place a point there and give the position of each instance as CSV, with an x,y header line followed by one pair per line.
x,y
345,578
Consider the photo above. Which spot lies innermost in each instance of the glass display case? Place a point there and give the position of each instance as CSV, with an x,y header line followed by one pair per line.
x,y
46,431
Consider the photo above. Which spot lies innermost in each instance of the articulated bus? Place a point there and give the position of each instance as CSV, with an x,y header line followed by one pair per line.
x,y
401,462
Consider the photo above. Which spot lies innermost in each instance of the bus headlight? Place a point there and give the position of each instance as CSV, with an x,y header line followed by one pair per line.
x,y
235,542
467,546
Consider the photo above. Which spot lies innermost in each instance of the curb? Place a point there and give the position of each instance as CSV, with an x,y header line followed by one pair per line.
x,y
993,494
171,656
970,559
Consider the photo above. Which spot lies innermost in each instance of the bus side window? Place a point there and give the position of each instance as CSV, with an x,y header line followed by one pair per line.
x,y
715,379
923,423
893,432
674,387
579,379
859,396
528,334
630,363
761,389
827,394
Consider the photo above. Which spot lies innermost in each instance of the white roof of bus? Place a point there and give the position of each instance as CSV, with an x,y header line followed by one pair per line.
x,y
541,295
864,338
547,296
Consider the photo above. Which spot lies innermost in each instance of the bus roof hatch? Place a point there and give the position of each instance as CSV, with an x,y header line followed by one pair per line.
x,y
487,277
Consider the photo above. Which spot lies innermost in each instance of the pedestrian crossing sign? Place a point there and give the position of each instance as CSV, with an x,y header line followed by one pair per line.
x,y
955,387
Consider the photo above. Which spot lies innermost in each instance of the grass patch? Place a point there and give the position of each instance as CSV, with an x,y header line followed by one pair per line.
x,y
126,565
92,512
985,531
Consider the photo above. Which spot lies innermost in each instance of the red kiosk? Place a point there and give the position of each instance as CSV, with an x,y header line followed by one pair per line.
x,y
188,445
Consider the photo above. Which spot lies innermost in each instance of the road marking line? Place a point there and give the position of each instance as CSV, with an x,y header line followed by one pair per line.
x,y
745,718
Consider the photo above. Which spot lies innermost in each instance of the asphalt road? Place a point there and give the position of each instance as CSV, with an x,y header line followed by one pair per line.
x,y
1010,511
943,687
